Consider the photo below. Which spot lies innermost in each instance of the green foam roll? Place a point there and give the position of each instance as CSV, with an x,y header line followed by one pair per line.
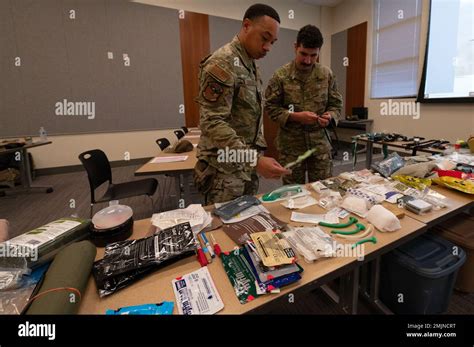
x,y
65,279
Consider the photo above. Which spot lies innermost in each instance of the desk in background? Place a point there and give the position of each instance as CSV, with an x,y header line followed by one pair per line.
x,y
401,145
25,171
182,170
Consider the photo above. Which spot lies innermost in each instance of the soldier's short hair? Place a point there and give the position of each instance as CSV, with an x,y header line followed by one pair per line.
x,y
310,37
260,10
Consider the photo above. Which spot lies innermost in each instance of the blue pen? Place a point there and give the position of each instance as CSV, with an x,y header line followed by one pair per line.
x,y
208,245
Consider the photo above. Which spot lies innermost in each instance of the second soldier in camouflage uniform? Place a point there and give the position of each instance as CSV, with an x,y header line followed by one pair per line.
x,y
302,97
230,99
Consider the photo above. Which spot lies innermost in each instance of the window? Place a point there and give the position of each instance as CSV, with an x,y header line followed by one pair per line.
x,y
395,48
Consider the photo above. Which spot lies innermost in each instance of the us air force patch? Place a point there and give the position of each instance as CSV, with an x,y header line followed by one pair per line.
x,y
212,92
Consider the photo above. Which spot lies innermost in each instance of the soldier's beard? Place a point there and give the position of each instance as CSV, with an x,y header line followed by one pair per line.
x,y
304,67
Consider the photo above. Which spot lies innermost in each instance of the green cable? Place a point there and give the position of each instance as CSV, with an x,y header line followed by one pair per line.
x,y
372,239
385,151
359,227
352,220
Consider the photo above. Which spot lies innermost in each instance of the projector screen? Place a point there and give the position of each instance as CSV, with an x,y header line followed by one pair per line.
x,y
448,72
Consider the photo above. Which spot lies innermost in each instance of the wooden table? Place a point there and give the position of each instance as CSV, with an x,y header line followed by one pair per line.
x,y
25,170
458,202
157,286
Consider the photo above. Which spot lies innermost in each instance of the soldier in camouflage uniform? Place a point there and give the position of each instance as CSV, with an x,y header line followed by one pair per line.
x,y
230,99
302,97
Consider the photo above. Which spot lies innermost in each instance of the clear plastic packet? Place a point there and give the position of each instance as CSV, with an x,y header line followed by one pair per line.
x,y
311,242
12,270
388,166
330,200
436,199
15,299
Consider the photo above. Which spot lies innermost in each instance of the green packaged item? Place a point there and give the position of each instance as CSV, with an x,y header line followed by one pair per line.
x,y
241,276
283,192
40,245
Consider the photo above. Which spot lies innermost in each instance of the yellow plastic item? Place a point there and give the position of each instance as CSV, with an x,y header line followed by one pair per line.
x,y
414,182
465,186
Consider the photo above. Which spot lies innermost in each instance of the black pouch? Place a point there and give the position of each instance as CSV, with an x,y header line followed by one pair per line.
x,y
204,176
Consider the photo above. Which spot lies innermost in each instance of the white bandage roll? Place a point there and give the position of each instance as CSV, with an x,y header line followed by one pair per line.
x,y
383,219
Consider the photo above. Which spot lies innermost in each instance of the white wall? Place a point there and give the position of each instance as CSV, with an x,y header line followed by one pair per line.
x,y
65,149
450,122
141,144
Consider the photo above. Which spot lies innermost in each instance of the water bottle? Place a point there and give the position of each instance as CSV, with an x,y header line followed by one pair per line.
x,y
43,136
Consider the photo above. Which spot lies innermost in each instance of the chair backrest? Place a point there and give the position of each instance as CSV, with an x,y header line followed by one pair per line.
x,y
185,129
163,143
98,169
179,133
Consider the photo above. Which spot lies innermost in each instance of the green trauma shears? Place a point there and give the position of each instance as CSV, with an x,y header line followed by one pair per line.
x,y
284,191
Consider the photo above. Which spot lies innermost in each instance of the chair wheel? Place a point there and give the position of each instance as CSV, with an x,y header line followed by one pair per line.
x,y
49,190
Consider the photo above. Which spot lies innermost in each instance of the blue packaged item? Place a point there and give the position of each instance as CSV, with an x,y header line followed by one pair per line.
x,y
275,282
163,308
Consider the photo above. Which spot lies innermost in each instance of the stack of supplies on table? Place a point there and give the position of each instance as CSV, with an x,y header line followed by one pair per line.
x,y
261,266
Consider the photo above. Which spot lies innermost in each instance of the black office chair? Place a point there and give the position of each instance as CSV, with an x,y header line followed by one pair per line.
x,y
186,130
179,133
98,171
163,143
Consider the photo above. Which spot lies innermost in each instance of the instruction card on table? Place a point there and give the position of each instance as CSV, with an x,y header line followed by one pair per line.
x,y
196,293
170,159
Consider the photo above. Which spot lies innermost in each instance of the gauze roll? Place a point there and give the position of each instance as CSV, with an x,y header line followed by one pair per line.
x,y
383,219
356,205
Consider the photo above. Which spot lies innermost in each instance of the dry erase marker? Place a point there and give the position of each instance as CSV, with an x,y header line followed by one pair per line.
x,y
206,253
208,245
217,249
200,255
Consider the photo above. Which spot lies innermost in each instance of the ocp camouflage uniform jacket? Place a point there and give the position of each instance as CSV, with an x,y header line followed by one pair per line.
x,y
230,99
287,91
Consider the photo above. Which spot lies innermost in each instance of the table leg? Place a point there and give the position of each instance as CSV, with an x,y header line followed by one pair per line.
x,y
368,154
372,296
25,173
350,292
187,179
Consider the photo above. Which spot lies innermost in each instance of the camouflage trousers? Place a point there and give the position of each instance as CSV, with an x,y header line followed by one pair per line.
x,y
319,167
227,187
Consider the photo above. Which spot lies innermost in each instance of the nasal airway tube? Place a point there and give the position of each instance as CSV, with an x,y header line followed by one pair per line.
x,y
369,231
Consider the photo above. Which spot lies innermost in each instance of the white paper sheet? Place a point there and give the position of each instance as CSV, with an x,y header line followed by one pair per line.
x,y
313,218
170,159
196,293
